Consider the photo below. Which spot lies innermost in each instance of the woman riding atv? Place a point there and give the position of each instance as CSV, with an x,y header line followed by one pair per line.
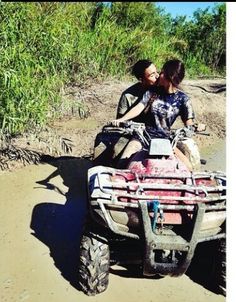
x,y
166,102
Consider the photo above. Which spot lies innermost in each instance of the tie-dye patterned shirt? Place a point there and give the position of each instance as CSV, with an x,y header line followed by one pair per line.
x,y
164,109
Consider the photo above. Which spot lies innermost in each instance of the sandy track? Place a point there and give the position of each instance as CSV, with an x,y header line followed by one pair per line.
x,y
40,230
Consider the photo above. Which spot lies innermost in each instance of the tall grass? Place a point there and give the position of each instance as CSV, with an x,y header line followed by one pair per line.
x,y
45,45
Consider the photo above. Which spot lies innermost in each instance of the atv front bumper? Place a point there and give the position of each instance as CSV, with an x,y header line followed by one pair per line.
x,y
170,241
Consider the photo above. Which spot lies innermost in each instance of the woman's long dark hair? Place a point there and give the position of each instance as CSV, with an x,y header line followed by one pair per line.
x,y
174,71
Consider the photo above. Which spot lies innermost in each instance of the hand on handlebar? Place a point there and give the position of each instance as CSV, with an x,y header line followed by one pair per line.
x,y
196,127
116,122
201,127
191,130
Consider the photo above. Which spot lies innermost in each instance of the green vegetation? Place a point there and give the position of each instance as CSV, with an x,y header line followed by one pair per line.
x,y
45,45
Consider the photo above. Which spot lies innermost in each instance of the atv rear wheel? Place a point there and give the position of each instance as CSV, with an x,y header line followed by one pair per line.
x,y
94,264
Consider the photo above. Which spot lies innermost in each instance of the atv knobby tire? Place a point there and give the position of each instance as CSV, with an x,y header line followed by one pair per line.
x,y
209,266
221,267
94,264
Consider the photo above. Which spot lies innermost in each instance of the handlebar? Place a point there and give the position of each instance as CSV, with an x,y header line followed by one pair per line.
x,y
140,129
188,131
195,128
127,124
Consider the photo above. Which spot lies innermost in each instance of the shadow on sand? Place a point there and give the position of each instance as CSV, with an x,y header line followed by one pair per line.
x,y
60,226
200,271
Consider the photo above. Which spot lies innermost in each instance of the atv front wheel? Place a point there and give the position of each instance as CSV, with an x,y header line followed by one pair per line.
x,y
94,264
221,267
209,266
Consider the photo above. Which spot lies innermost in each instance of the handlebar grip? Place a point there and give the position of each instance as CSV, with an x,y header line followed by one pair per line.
x,y
118,125
124,124
201,133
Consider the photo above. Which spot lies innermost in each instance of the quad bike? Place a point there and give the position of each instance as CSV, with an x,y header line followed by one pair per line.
x,y
152,214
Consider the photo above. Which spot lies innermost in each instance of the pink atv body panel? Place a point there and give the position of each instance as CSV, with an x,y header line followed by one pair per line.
x,y
167,179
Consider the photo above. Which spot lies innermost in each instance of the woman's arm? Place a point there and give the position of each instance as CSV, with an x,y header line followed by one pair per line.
x,y
189,122
135,111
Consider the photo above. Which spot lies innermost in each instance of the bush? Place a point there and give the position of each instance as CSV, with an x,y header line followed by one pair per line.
x,y
45,45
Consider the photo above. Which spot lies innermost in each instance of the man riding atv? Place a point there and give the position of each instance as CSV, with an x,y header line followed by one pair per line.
x,y
159,106
109,146
146,74
166,103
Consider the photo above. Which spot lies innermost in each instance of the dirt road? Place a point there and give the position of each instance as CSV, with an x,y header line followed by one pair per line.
x,y
42,210
40,228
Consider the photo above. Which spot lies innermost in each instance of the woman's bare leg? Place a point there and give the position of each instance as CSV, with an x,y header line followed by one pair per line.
x,y
132,147
183,158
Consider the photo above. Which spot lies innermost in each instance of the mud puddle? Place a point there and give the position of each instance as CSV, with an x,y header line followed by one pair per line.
x,y
215,157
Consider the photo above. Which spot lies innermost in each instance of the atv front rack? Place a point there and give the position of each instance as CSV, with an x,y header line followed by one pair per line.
x,y
112,192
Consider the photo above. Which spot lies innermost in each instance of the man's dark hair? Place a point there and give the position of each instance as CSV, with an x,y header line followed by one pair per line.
x,y
139,68
174,71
